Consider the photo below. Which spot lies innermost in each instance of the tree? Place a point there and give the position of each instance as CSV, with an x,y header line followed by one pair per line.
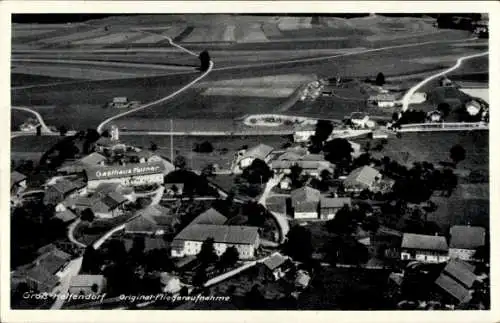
x,y
255,212
444,108
180,162
326,178
258,172
63,130
207,253
204,147
299,243
204,60
380,80
230,256
338,151
323,130
457,153
138,246
88,215
295,172
153,146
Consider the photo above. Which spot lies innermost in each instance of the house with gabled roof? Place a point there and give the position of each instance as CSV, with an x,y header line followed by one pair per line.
x,y
362,178
189,241
304,203
329,206
424,248
87,285
457,280
210,216
17,183
154,220
465,240
63,189
276,266
78,166
245,158
109,206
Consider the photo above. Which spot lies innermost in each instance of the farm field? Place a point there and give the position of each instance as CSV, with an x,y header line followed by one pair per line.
x,y
435,147
184,145
80,105
33,143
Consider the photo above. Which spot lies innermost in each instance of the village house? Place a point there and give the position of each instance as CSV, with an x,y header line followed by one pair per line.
x,y
285,183
457,280
170,284
66,216
276,266
79,166
329,206
244,158
17,183
465,240
174,189
129,175
45,272
383,100
361,120
189,241
87,285
362,178
424,248
309,167
154,220
304,134
146,156
63,189
435,116
109,206
304,203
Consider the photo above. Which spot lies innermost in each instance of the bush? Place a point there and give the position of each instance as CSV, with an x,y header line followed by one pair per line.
x,y
204,147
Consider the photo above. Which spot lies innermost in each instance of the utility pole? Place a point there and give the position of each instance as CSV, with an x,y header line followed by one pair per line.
x,y
171,140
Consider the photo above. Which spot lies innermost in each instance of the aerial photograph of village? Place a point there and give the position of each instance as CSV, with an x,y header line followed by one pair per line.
x,y
276,161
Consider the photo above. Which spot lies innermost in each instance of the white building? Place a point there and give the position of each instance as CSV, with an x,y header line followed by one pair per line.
x,y
245,158
464,241
424,248
129,175
189,241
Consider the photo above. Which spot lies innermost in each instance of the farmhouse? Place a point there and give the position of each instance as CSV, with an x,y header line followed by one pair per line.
x,y
45,272
17,183
154,220
424,248
174,189
87,284
330,205
383,100
276,266
188,242
457,280
304,134
464,241
63,189
129,175
66,216
309,167
361,120
304,203
362,178
109,206
210,216
78,166
244,158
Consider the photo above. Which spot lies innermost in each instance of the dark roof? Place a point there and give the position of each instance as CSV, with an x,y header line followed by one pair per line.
x,y
274,261
65,186
53,260
467,237
105,188
45,281
424,242
335,202
153,218
210,216
453,288
290,156
107,172
364,176
305,194
16,177
92,159
260,151
461,271
150,243
233,234
114,199
66,216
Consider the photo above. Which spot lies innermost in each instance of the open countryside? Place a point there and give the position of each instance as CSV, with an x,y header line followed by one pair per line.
x,y
290,162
